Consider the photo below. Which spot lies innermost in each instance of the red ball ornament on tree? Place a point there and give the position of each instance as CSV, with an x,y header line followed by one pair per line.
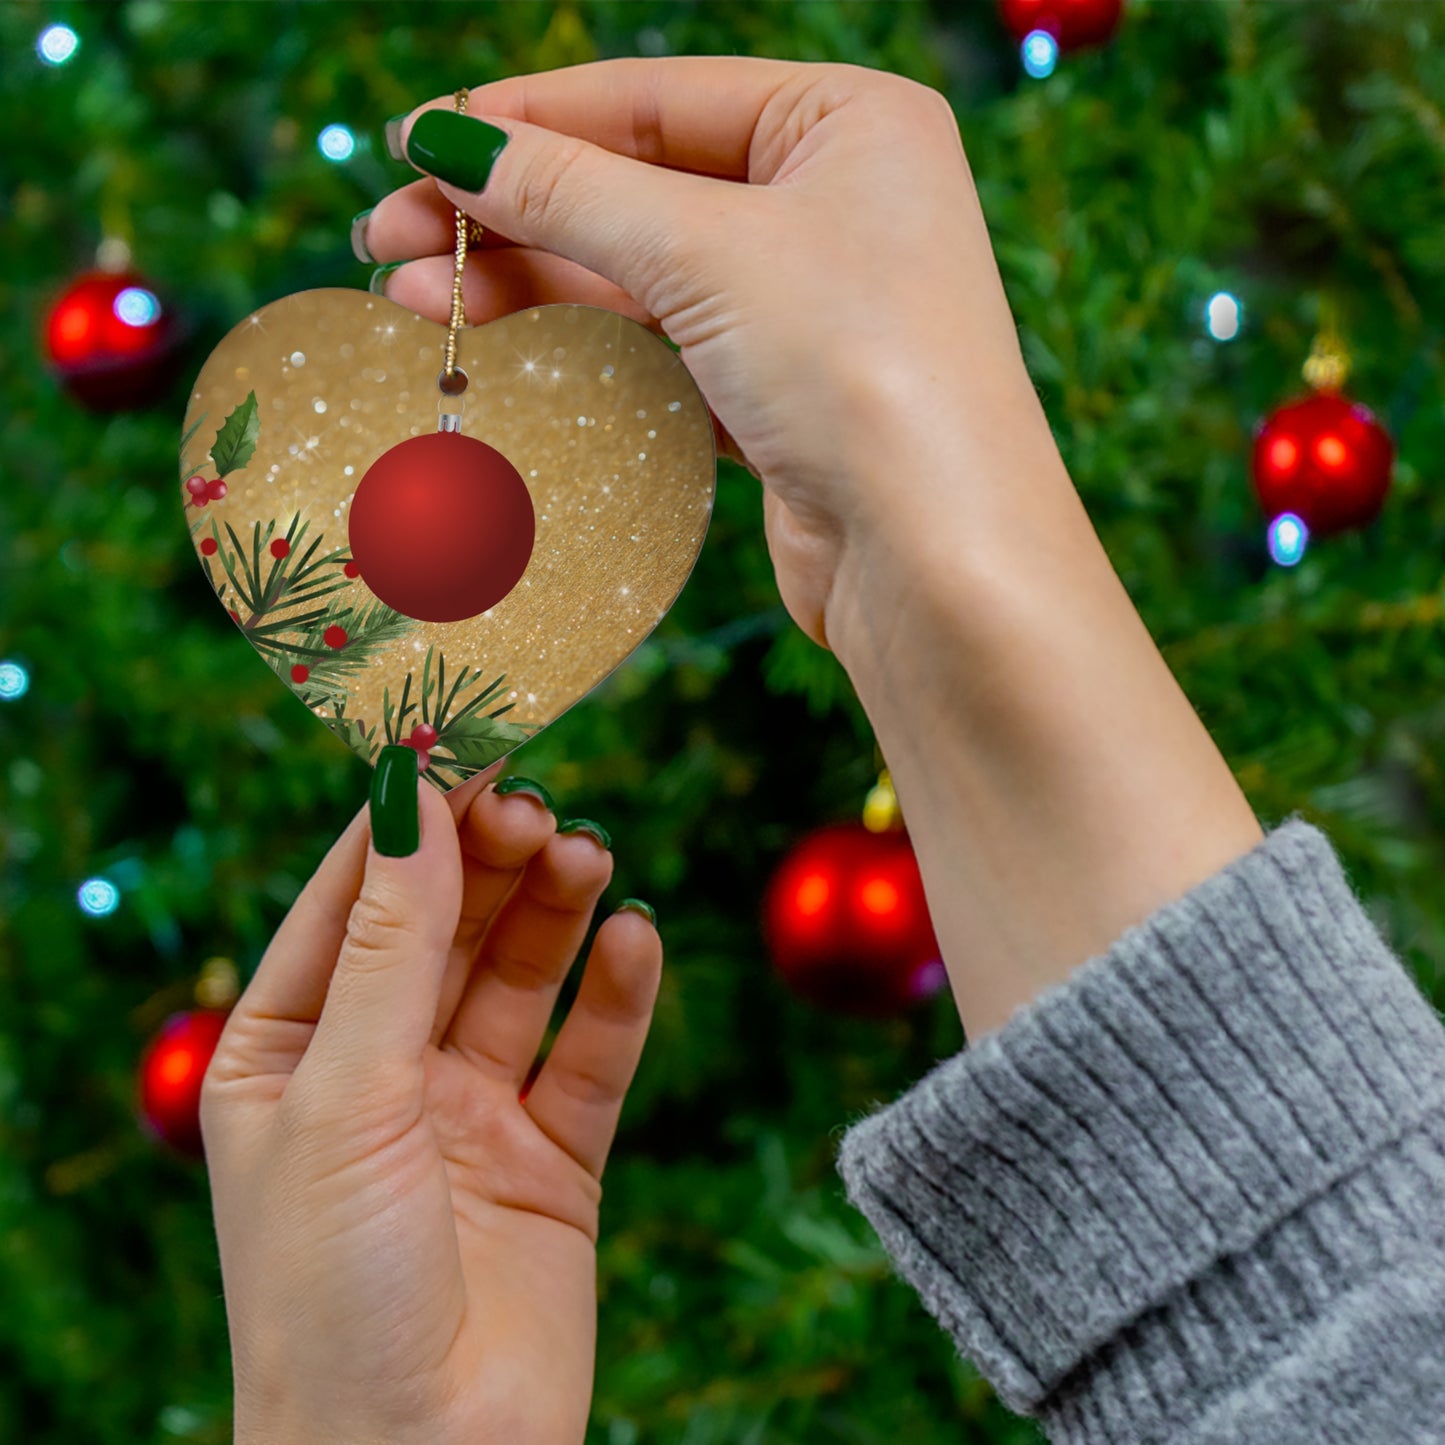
x,y
441,527
111,341
1324,458
847,923
1073,23
171,1071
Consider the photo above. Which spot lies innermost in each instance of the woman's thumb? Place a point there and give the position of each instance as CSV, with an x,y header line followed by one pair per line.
x,y
382,1000
621,218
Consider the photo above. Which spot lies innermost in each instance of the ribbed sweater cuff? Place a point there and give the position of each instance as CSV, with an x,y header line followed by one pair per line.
x,y
1126,1175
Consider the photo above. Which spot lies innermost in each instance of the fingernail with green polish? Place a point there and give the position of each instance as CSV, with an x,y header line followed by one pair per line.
x,y
636,905
457,149
514,784
395,820
393,136
359,248
586,825
377,284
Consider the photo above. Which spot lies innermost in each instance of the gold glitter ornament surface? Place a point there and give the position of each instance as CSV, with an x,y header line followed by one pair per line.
x,y
598,415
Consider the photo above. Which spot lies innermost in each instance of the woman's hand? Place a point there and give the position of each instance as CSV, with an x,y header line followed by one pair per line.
x,y
408,1248
810,237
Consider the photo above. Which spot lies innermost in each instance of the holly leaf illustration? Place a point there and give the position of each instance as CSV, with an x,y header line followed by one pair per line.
x,y
477,742
236,441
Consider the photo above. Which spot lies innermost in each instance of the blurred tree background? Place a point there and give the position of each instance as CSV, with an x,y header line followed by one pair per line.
x,y
1286,153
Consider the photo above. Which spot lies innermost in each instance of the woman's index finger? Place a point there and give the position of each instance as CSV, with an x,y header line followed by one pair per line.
x,y
695,113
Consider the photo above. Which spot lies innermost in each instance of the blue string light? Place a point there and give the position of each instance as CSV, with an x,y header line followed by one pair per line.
x,y
136,306
1040,52
14,681
98,897
336,143
57,44
1288,538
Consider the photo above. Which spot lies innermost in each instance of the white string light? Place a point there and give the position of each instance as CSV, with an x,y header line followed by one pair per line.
x,y
336,143
57,44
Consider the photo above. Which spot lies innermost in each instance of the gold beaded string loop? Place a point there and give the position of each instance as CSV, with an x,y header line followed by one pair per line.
x,y
466,229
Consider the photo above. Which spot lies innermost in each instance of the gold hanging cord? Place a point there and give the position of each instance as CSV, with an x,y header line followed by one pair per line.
x,y
465,231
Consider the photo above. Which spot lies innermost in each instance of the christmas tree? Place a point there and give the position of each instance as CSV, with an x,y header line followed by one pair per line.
x,y
165,796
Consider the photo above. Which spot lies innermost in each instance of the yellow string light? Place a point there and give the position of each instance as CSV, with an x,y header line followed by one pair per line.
x,y
219,985
1328,366
881,813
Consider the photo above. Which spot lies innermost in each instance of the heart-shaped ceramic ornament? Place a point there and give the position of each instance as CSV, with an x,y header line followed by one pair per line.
x,y
449,571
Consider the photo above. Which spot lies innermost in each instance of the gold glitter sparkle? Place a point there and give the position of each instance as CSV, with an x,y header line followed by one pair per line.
x,y
605,425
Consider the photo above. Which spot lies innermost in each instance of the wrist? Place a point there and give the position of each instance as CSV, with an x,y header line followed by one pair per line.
x,y
954,479
1057,785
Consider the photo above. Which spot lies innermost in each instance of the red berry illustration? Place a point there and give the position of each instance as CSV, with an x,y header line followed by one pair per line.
x,y
216,490
209,546
280,548
334,636
423,736
352,570
423,760
300,672
197,485
199,499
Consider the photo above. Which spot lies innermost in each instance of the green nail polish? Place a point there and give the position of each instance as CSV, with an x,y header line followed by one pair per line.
x,y
514,784
393,136
586,825
395,820
359,248
377,284
455,148
636,905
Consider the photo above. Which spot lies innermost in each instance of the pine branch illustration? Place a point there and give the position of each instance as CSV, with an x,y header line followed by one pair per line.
x,y
291,582
186,469
368,629
474,739
353,731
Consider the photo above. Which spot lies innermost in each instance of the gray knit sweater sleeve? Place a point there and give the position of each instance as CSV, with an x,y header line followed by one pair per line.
x,y
1196,1192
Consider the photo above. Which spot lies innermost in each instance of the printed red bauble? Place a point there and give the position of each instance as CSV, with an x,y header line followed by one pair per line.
x,y
1073,23
171,1071
847,923
442,527
111,341
1326,459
